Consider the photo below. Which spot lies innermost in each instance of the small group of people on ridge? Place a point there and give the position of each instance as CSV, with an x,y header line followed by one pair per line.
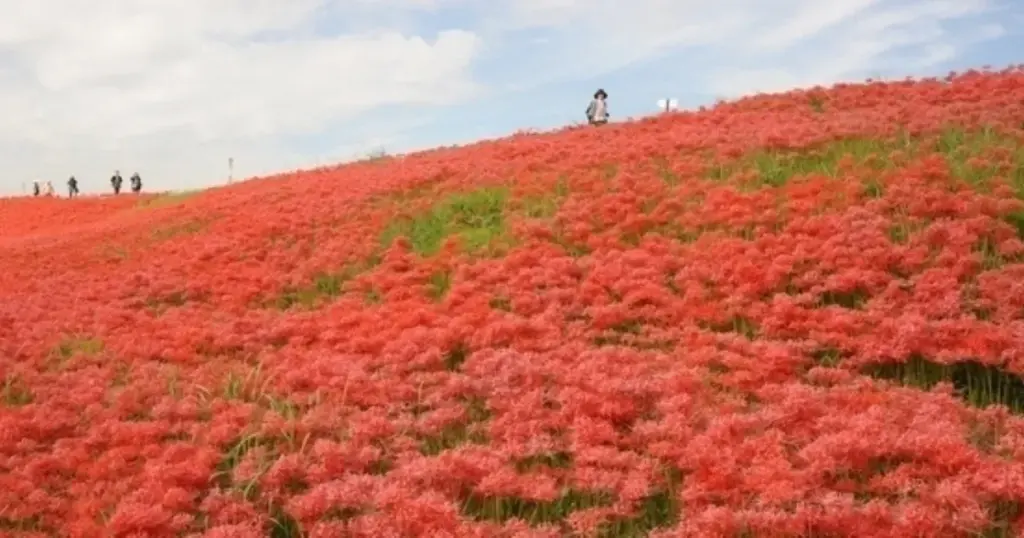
x,y
597,114
46,189
116,182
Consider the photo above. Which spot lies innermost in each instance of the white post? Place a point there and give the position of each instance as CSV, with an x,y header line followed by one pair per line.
x,y
231,169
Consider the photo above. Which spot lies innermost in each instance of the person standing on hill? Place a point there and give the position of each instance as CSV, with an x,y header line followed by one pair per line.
x,y
136,183
35,188
48,190
597,111
116,181
72,187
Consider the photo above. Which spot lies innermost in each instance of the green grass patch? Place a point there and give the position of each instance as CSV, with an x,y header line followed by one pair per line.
x,y
503,509
975,156
978,156
854,299
165,233
899,233
828,357
630,333
776,168
450,437
14,392
30,525
686,235
737,324
281,524
550,460
461,433
541,207
988,250
476,217
75,345
113,252
158,304
404,196
501,302
1017,221
615,334
658,510
167,199
250,387
664,171
873,188
234,455
977,384
817,103
456,356
325,286
373,297
1002,515
439,284
680,233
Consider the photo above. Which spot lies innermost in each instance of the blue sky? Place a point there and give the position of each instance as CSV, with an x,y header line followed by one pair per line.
x,y
172,89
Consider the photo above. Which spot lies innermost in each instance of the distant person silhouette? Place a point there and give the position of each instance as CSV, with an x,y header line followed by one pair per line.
x,y
597,110
72,187
35,188
116,181
48,189
136,183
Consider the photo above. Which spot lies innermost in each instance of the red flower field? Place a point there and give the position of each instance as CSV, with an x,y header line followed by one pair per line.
x,y
795,315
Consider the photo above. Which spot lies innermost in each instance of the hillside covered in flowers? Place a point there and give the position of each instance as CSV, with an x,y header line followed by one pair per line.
x,y
793,315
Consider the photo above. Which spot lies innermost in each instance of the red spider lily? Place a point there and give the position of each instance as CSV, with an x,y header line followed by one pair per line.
x,y
789,315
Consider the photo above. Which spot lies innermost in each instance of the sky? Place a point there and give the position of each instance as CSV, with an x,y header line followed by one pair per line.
x,y
173,89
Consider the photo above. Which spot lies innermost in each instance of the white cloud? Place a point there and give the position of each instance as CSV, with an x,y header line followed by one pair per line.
x,y
175,87
88,86
808,22
593,37
909,37
749,45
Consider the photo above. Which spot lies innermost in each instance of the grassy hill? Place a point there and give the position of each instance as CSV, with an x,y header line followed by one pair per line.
x,y
793,315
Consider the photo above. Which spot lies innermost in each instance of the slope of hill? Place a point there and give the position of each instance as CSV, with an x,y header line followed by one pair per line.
x,y
791,315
